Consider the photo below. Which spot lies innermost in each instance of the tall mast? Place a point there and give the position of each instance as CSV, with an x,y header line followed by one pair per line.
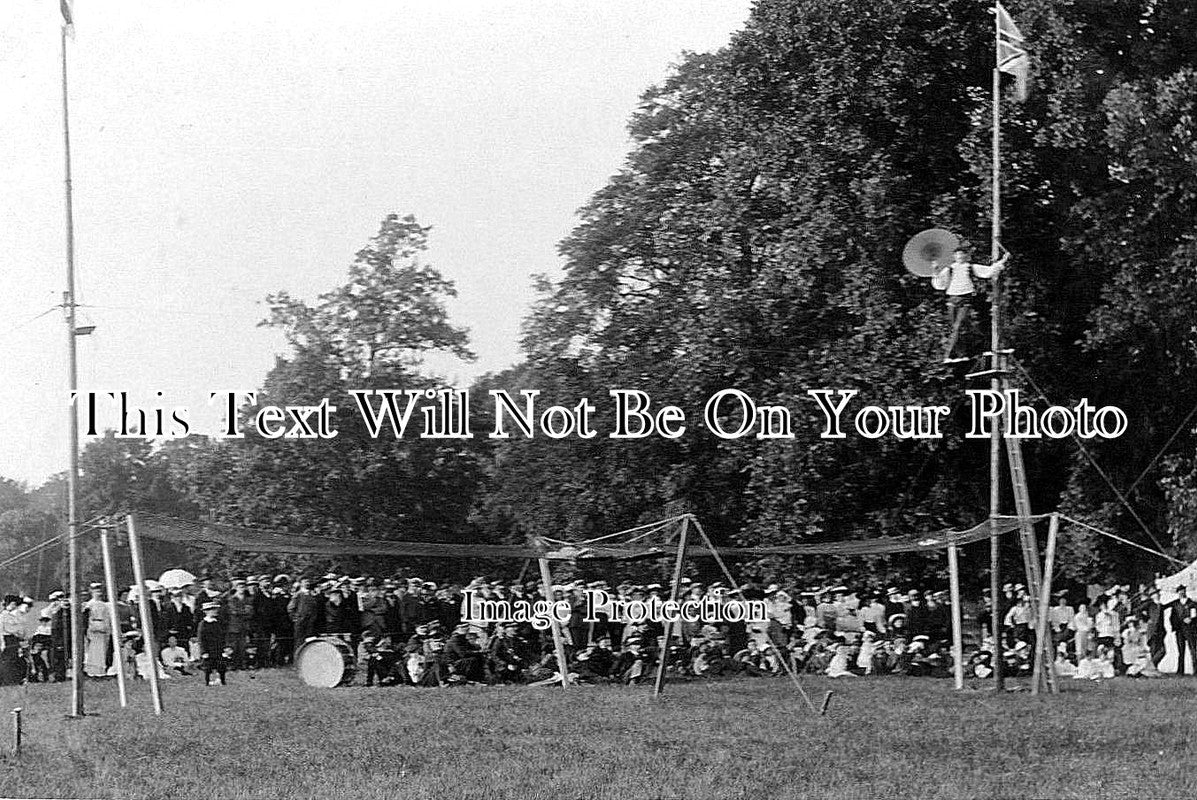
x,y
68,302
995,346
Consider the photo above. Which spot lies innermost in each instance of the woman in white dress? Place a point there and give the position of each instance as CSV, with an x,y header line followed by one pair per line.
x,y
99,634
1082,626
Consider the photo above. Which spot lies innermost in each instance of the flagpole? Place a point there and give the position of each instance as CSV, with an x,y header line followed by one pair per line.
x,y
68,302
995,345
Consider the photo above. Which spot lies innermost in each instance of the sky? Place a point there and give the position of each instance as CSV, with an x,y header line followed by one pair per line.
x,y
222,151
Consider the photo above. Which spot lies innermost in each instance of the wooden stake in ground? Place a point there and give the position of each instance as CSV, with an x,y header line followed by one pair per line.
x,y
659,684
118,660
147,619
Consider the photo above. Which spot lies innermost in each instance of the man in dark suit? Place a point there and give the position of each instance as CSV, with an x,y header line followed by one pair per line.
x,y
340,617
411,610
177,619
1182,614
304,610
1154,614
60,634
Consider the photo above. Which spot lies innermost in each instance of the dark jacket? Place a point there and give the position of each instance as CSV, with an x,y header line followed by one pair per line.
x,y
211,638
178,622
339,618
1180,616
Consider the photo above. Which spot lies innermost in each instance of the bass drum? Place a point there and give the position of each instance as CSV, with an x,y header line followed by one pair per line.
x,y
326,662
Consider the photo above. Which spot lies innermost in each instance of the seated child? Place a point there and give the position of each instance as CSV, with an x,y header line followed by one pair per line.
x,y
1063,665
1134,647
838,668
1097,667
141,661
750,660
174,657
864,659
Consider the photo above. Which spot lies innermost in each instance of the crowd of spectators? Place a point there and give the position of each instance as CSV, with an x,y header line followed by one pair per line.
x,y
410,631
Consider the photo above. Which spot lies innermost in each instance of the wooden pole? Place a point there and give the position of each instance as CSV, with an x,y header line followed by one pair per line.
x,y
659,684
546,578
16,731
1053,530
118,640
1044,653
957,634
995,346
68,301
147,619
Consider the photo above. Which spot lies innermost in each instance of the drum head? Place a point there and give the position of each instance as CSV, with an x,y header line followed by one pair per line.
x,y
321,663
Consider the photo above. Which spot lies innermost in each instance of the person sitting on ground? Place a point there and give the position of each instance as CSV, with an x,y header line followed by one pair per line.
x,y
865,659
840,659
750,660
980,664
467,663
1062,665
367,656
174,657
1097,667
505,662
141,658
1136,655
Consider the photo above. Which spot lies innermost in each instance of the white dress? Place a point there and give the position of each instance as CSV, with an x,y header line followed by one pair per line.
x,y
95,654
838,668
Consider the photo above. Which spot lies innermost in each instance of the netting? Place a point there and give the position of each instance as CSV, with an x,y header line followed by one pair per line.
x,y
635,543
240,539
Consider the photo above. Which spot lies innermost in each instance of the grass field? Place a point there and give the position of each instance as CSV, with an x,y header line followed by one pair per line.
x,y
890,737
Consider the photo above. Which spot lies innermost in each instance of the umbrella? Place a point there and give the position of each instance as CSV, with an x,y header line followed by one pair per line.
x,y
176,578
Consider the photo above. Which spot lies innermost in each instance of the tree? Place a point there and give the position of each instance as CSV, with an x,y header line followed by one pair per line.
x,y
753,240
372,332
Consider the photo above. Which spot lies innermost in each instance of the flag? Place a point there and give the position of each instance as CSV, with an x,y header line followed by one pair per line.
x,y
1012,57
68,18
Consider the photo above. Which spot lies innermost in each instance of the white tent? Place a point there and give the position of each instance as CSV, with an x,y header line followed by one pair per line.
x,y
1187,577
